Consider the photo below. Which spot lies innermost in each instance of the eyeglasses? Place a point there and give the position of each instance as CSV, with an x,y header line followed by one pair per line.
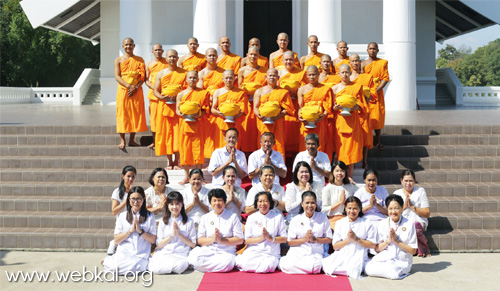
x,y
137,200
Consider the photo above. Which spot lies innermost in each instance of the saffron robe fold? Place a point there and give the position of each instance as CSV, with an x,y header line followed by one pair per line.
x,y
281,96
240,98
230,62
130,112
153,101
196,62
167,127
331,80
191,134
211,82
337,65
379,71
263,61
278,61
366,80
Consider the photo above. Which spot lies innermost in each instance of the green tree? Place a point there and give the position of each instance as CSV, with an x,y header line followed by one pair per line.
x,y
40,57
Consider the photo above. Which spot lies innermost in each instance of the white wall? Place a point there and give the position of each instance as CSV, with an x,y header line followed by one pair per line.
x,y
362,21
110,48
173,21
426,43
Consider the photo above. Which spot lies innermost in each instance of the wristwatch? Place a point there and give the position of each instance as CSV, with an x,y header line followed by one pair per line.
x,y
142,232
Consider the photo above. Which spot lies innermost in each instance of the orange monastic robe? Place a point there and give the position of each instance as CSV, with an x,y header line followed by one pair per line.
x,y
153,101
167,121
191,134
364,117
349,142
330,81
211,82
337,66
278,61
130,113
240,98
196,62
320,95
249,125
292,125
313,60
263,61
230,62
378,70
281,96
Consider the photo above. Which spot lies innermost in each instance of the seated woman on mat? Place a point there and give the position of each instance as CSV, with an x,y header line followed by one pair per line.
x,y
416,207
195,196
397,243
267,176
372,197
302,181
264,231
135,231
307,233
219,232
176,237
156,195
351,240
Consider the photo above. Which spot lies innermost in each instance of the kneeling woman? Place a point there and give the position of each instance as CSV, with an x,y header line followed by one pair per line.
x,y
135,231
219,232
176,237
307,233
352,238
397,243
264,231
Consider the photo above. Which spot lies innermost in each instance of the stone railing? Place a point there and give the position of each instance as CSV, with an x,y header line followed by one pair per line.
x,y
52,95
481,96
14,95
82,86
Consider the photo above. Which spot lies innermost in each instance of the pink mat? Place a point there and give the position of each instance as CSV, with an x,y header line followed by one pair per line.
x,y
277,281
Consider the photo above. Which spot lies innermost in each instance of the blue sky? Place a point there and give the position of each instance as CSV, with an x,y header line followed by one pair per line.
x,y
474,39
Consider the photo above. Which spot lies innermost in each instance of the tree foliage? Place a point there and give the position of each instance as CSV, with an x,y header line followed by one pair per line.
x,y
481,68
40,57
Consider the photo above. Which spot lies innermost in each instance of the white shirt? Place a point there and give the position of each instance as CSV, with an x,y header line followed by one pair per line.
x,y
364,196
229,225
275,226
188,196
176,246
116,196
256,159
299,226
135,245
322,161
277,192
219,157
331,195
293,198
418,199
240,194
152,200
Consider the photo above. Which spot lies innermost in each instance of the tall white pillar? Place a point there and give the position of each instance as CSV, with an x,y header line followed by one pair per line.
x,y
324,20
209,22
110,49
400,50
136,22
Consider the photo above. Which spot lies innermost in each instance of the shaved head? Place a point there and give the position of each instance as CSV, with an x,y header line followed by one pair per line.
x,y
157,45
172,51
345,66
272,70
312,68
128,39
209,50
193,39
193,72
254,41
373,43
283,34
341,42
228,72
288,54
253,48
224,38
313,37
326,57
353,57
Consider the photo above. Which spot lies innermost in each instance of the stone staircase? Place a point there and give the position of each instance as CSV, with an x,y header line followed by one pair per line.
x,y
56,182
443,96
93,95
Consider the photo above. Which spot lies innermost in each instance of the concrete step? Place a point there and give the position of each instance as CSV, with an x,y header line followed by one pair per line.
x,y
438,139
464,204
455,189
464,240
436,151
464,220
434,163
78,150
67,139
55,203
58,219
443,175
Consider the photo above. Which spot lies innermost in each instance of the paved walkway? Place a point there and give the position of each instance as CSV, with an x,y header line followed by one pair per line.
x,y
445,271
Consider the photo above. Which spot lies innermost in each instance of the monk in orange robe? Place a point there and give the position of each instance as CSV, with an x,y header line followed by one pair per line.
x,y
378,69
314,57
191,133
169,82
291,78
370,92
130,73
227,60
272,93
262,61
350,134
229,96
152,68
315,94
343,58
210,79
250,78
193,61
276,58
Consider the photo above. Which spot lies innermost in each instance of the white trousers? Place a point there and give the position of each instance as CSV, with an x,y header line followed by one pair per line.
x,y
256,262
125,263
165,263
295,264
204,259
383,269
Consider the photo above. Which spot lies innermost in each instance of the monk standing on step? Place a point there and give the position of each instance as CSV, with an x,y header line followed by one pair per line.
x,y
193,60
262,61
130,73
167,122
227,60
276,58
343,58
152,68
314,57
378,68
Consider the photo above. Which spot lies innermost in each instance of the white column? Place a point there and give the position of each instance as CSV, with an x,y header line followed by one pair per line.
x,y
400,50
209,22
110,49
325,21
136,22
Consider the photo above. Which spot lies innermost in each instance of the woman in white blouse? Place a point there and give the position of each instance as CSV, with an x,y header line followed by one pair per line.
x,y
302,181
307,234
176,237
196,196
266,184
372,196
264,231
416,208
135,231
235,194
156,194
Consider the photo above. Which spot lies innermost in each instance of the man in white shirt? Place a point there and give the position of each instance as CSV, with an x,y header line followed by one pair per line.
x,y
266,156
226,156
319,161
